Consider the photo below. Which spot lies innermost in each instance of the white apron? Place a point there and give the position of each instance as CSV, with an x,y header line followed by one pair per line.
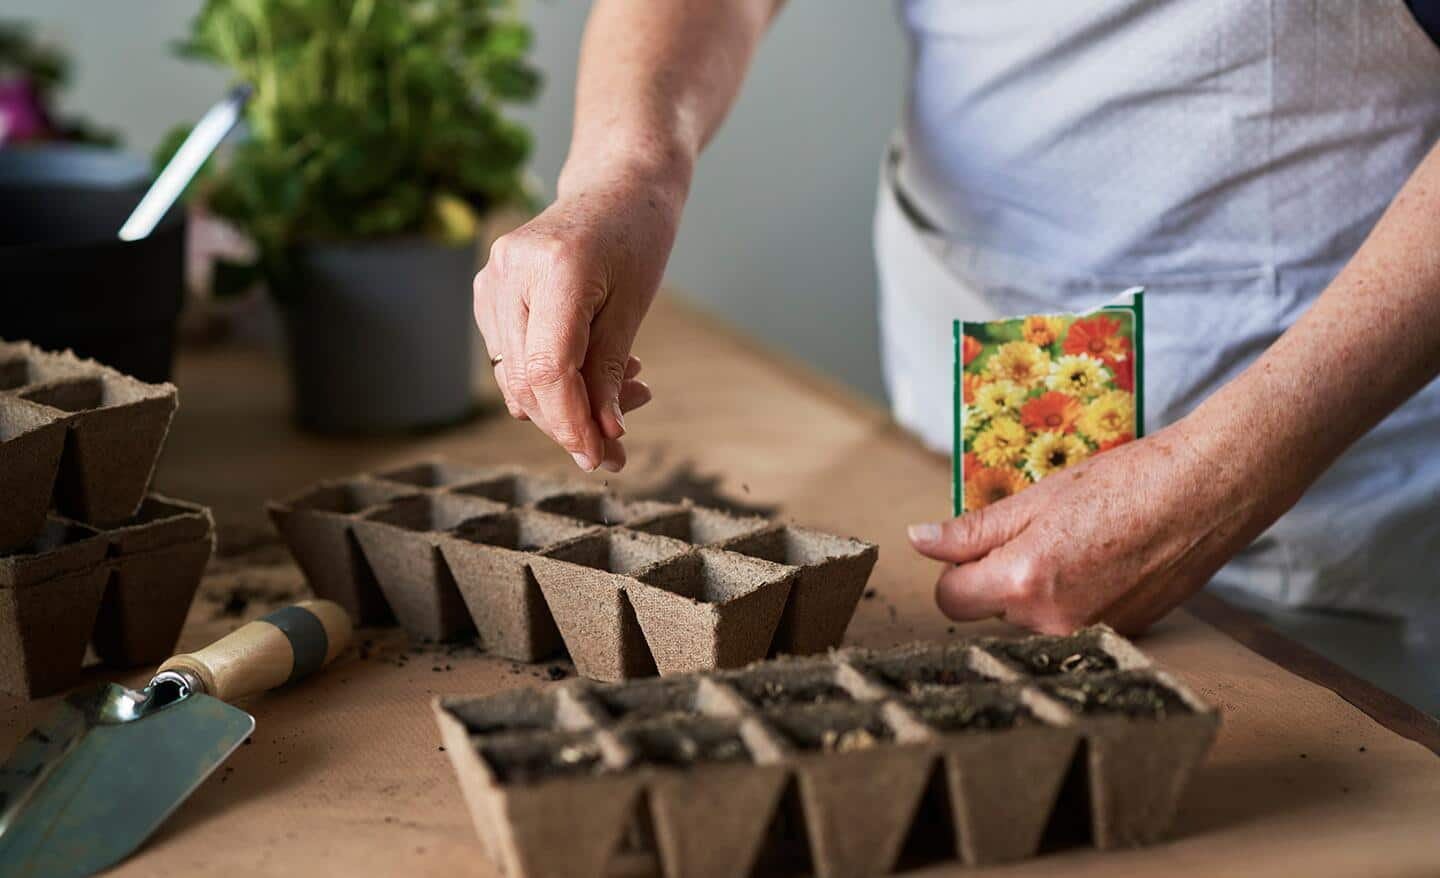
x,y
1227,155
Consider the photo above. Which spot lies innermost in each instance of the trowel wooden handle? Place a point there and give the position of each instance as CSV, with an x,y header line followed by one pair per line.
x,y
271,651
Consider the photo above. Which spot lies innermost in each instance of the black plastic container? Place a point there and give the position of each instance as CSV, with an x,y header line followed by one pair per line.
x,y
67,280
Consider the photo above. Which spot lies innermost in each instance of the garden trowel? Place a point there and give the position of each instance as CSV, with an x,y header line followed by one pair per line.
x,y
92,782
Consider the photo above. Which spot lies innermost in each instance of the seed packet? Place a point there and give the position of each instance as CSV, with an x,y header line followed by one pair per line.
x,y
1039,393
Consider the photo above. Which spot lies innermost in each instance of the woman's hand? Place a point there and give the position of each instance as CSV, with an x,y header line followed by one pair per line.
x,y
1121,538
561,299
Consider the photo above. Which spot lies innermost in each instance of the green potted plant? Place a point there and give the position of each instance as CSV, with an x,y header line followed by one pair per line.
x,y
376,147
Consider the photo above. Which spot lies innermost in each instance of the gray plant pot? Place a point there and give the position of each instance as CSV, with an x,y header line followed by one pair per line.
x,y
380,336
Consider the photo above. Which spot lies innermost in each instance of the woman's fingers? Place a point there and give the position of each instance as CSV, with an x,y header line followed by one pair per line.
x,y
633,394
606,365
633,366
484,297
970,592
614,457
557,340
973,535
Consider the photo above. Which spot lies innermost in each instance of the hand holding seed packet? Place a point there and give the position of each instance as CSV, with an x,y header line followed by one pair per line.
x,y
1037,394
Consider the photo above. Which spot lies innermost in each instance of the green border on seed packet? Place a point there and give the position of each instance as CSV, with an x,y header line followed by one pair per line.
x,y
1132,300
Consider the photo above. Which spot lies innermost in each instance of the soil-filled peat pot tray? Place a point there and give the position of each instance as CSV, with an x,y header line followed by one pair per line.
x,y
854,763
75,435
125,589
534,565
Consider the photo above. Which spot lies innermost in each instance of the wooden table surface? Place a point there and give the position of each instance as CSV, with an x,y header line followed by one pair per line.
x,y
344,775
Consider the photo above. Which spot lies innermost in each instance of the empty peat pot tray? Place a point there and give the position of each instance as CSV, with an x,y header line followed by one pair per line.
x,y
124,589
74,435
851,764
533,565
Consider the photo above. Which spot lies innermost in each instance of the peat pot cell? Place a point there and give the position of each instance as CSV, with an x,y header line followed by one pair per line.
x,y
536,757
17,418
14,373
767,687
599,508
57,533
348,497
516,489
524,530
431,474
1126,693
1053,656
649,700
922,673
701,526
713,577
983,707
78,395
796,546
619,551
832,728
685,743
159,523
432,512
519,710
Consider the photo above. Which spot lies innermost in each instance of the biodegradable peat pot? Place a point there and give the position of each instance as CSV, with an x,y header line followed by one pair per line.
x,y
146,602
490,560
546,804
709,609
515,487
1138,761
380,336
833,573
318,526
1004,765
702,526
159,558
117,426
31,439
69,281
860,782
710,802
50,594
584,583
401,542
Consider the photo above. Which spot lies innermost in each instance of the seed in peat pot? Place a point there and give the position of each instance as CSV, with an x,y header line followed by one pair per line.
x,y
529,761
1050,659
833,741
775,693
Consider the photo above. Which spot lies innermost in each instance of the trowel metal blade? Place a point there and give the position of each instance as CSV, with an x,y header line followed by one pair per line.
x,y
91,783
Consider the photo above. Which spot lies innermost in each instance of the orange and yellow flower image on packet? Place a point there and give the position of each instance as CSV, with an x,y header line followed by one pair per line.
x,y
1036,394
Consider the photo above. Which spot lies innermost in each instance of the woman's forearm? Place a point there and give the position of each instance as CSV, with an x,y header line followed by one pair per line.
x,y
655,82
1367,344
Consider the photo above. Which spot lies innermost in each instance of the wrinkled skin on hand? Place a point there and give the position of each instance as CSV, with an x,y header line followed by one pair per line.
x,y
561,299
1121,538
